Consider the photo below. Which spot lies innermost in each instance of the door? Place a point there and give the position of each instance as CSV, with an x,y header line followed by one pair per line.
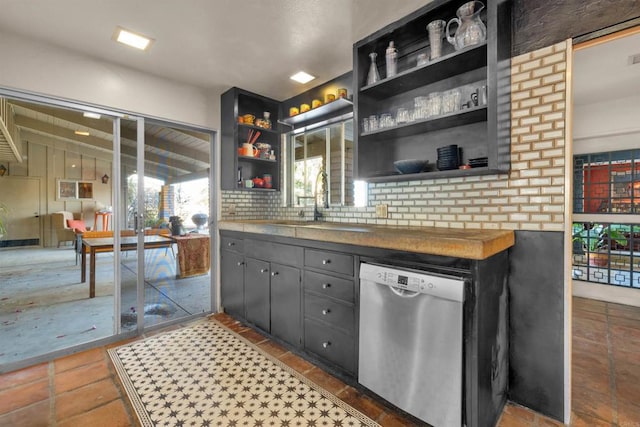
x,y
166,189
256,297
286,321
23,213
232,282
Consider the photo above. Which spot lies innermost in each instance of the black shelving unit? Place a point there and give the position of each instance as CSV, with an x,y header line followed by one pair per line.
x,y
480,131
234,103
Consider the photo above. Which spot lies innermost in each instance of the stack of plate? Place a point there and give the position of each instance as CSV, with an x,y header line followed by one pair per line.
x,y
480,162
448,157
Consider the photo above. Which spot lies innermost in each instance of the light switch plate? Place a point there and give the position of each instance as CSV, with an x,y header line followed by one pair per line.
x,y
231,209
382,211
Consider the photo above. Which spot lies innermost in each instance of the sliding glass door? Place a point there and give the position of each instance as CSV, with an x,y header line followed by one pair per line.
x,y
107,221
165,196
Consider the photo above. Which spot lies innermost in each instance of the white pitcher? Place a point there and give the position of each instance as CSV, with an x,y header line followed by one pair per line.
x,y
471,30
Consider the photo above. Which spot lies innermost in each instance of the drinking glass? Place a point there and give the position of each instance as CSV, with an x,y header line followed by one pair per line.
x,y
386,121
451,101
420,107
365,124
373,122
402,115
435,104
436,30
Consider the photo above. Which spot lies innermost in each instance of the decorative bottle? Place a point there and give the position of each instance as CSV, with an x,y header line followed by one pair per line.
x,y
373,75
392,60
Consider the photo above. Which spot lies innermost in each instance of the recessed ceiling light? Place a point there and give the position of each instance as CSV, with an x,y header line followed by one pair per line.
x,y
302,77
91,115
82,133
132,39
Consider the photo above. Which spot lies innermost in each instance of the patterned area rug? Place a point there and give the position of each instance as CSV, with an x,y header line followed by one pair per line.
x,y
207,375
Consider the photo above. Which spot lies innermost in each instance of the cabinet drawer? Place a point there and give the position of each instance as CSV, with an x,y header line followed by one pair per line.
x,y
275,252
329,261
330,286
329,311
330,344
231,244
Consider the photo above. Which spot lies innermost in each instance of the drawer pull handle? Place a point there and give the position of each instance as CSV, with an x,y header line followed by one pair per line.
x,y
275,273
231,244
326,311
326,261
240,263
326,285
264,270
326,344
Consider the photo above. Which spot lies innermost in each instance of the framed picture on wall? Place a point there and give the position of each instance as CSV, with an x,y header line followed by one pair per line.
x,y
67,190
74,190
85,190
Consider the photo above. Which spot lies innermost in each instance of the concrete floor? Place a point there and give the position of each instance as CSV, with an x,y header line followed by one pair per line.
x,y
44,307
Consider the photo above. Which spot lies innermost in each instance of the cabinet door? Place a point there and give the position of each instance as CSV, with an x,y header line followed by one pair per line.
x,y
330,344
256,295
232,282
286,322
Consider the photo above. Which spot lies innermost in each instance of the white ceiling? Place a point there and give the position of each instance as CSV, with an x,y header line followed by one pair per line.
x,y
602,72
258,44
214,44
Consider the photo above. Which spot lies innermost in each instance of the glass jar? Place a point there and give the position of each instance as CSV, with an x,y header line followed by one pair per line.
x,y
267,120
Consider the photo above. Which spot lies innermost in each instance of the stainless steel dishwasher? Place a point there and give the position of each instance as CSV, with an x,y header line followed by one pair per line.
x,y
410,344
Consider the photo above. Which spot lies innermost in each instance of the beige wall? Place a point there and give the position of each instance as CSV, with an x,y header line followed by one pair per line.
x,y
52,160
57,72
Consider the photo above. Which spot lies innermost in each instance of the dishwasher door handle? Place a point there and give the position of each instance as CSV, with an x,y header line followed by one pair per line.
x,y
403,293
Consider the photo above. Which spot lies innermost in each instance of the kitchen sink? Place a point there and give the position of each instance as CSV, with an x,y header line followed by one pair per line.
x,y
287,222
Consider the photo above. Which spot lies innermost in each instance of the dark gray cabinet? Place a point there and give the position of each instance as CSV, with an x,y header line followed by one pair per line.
x,y
479,130
232,282
257,293
330,344
286,304
305,297
330,307
261,284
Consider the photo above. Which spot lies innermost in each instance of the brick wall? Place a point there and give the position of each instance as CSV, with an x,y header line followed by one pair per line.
x,y
530,197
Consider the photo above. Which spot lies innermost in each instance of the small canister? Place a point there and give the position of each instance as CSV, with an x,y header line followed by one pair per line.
x,y
329,97
304,108
267,180
293,111
316,103
342,92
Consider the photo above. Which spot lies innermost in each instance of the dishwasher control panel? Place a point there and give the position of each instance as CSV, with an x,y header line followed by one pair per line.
x,y
414,281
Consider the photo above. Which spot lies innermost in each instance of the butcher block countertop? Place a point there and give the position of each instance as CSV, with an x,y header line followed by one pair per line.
x,y
451,242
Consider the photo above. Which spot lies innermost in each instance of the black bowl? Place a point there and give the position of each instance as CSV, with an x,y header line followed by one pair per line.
x,y
410,165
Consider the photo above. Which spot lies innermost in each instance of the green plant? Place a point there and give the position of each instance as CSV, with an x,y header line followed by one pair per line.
x,y
596,237
3,220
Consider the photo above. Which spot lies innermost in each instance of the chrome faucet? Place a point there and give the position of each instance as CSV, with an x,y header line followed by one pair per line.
x,y
323,179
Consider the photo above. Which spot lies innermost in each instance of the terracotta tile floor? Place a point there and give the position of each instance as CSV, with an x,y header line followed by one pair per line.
x,y
83,389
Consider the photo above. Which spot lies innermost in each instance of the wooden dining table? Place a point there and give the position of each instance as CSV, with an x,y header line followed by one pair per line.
x,y
105,244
